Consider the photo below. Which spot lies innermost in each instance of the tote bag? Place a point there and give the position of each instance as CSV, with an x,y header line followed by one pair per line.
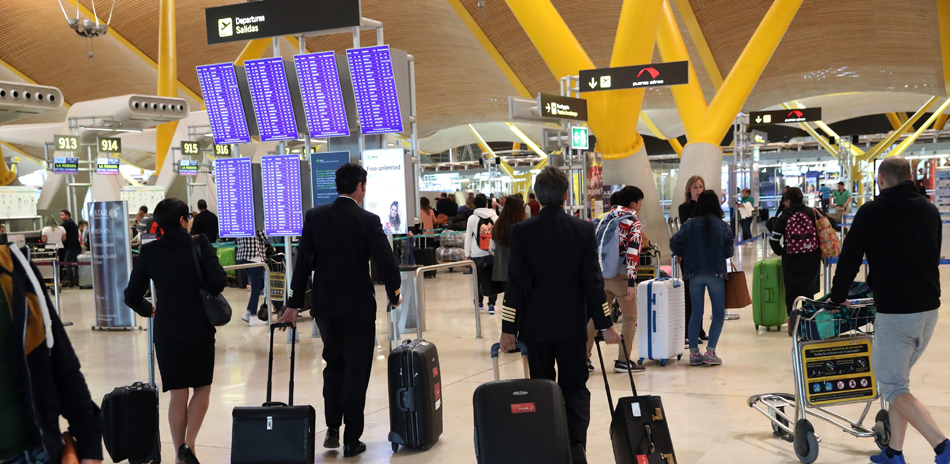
x,y
737,290
828,239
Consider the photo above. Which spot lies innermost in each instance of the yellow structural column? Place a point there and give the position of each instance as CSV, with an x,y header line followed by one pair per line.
x,y
742,78
902,147
167,77
689,97
890,139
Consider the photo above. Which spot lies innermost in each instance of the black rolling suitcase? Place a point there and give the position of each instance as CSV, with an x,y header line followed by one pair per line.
x,y
638,428
275,433
415,395
520,421
131,418
426,257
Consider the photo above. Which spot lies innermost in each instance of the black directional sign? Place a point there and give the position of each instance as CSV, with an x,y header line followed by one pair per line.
x,y
634,77
785,116
556,106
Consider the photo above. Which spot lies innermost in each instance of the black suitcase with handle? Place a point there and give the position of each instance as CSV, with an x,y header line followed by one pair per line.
x,y
520,421
638,429
275,433
415,395
131,417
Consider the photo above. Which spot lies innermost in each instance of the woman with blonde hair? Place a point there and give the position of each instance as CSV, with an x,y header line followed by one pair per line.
x,y
694,186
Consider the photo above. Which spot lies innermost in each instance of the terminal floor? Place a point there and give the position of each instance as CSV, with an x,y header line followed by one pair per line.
x,y
710,419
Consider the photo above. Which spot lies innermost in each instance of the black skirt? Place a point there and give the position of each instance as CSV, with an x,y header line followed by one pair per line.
x,y
185,363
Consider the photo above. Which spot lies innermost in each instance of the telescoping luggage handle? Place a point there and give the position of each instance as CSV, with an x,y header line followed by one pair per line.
x,y
519,346
598,338
270,365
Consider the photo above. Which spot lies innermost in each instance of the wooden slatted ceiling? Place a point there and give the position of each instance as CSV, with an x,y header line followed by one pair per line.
x,y
840,46
456,80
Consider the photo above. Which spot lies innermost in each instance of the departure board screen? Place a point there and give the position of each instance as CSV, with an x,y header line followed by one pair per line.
x,y
188,167
219,87
270,97
235,197
283,207
322,95
374,84
323,168
65,165
109,166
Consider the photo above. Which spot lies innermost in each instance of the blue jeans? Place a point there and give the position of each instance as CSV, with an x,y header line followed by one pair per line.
x,y
717,295
255,276
32,456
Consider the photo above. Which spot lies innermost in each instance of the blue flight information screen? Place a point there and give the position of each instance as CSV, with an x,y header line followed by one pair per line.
x,y
323,168
270,97
322,95
283,207
219,87
235,197
374,84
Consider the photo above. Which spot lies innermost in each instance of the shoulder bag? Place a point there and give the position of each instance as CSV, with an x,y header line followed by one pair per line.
x,y
217,309
737,290
827,237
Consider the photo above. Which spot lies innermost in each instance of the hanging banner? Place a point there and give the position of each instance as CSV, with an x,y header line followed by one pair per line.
x,y
111,263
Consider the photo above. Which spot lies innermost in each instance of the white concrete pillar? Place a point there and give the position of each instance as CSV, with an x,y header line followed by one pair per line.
x,y
703,159
635,170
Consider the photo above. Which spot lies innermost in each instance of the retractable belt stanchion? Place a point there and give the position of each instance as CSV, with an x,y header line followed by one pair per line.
x,y
267,300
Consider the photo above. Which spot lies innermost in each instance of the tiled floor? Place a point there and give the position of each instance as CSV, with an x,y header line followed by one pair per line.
x,y
707,407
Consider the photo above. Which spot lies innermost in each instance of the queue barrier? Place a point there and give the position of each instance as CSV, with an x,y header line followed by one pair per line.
x,y
419,289
56,264
267,301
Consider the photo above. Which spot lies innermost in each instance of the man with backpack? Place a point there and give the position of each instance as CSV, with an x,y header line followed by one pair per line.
x,y
795,239
478,249
619,238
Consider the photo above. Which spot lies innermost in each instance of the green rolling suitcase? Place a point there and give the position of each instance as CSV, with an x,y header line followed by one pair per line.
x,y
768,294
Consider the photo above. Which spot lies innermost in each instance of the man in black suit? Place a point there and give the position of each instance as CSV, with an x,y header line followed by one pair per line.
x,y
446,205
205,222
554,286
337,243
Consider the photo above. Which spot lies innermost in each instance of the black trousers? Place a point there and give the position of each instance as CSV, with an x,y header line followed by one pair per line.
x,y
571,376
485,266
348,349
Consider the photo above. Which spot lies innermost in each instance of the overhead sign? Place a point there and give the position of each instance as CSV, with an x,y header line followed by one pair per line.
x,y
580,138
322,95
760,136
556,106
634,77
223,99
110,145
235,192
270,97
68,143
374,86
65,165
785,116
255,20
107,166
189,148
188,167
222,150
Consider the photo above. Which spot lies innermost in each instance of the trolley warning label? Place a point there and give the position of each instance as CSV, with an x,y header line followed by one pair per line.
x,y
838,371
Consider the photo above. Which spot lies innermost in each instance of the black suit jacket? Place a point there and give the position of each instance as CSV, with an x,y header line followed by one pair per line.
x,y
554,280
337,243
206,223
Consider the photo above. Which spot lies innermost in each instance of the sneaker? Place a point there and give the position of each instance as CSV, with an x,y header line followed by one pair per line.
x,y
695,358
711,359
590,365
247,316
622,368
884,459
944,457
491,309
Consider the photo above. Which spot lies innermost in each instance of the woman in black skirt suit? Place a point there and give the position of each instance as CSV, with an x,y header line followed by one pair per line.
x,y
184,339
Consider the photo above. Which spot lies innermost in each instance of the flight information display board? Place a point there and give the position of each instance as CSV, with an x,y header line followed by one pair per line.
x,y
322,95
108,166
374,84
270,97
235,192
65,165
283,207
323,168
219,87
188,167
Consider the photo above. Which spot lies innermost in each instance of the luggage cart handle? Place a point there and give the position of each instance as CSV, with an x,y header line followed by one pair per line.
x,y
519,346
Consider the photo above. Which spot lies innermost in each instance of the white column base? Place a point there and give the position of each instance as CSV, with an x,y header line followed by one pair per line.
x,y
635,170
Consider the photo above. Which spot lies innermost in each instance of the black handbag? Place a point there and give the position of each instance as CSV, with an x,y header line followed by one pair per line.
x,y
217,309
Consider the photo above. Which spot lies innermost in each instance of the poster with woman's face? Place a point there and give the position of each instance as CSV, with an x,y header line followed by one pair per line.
x,y
386,188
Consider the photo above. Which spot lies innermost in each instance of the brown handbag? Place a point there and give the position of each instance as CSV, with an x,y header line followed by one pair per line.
x,y
737,290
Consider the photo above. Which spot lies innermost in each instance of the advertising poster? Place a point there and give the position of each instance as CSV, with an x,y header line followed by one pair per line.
x,y
386,188
323,168
111,262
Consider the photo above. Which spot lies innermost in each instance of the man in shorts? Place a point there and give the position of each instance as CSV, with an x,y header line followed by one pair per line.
x,y
904,260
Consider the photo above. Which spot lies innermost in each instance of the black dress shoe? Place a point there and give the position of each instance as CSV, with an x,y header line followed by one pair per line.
x,y
350,451
578,455
332,440
186,455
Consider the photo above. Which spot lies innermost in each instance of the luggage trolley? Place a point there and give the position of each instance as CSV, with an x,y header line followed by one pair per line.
x,y
831,359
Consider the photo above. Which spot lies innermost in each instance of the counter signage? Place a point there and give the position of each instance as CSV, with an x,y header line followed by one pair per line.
x,y
219,86
556,106
188,167
108,166
222,150
255,20
65,165
634,77
283,207
374,85
189,148
322,95
235,197
785,116
323,168
110,145
270,98
68,143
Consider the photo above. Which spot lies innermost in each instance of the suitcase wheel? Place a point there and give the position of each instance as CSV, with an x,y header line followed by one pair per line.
x,y
756,328
663,363
640,361
395,447
679,357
